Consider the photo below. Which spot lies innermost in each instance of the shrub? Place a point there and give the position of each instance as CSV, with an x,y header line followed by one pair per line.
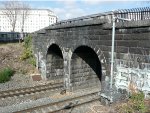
x,y
6,74
135,104
32,61
27,42
27,53
138,102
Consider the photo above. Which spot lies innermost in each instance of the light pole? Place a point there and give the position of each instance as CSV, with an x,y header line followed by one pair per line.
x,y
112,51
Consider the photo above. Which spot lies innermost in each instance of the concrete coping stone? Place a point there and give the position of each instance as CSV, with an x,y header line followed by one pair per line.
x,y
129,24
74,24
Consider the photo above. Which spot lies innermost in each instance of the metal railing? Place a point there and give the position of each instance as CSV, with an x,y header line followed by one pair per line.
x,y
134,14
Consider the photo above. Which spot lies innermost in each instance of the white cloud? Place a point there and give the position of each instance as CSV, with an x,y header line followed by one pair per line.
x,y
68,13
92,2
69,9
67,3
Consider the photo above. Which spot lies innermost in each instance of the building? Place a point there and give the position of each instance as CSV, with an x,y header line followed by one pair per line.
x,y
36,19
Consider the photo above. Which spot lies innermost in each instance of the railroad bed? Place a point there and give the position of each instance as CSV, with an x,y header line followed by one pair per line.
x,y
29,90
56,102
22,95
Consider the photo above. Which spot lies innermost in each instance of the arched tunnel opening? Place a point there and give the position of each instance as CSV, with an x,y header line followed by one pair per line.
x,y
86,69
54,64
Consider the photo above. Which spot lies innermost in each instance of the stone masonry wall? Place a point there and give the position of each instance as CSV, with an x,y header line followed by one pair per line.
x,y
131,48
132,56
54,68
85,70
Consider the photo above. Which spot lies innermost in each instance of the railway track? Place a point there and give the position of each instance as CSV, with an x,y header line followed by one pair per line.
x,y
29,90
64,104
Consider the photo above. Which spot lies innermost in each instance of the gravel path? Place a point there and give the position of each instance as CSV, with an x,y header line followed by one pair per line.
x,y
20,81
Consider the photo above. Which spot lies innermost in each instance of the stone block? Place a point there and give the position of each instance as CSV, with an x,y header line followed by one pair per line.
x,y
36,77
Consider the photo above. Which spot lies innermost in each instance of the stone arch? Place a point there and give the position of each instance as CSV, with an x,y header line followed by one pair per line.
x,y
101,57
86,69
54,63
51,42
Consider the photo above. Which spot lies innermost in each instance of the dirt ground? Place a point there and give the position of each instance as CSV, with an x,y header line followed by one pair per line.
x,y
10,57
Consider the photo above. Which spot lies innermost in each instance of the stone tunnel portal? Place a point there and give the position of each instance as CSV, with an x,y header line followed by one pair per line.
x,y
85,69
54,64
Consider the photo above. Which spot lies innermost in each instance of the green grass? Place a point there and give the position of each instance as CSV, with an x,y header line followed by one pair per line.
x,y
6,74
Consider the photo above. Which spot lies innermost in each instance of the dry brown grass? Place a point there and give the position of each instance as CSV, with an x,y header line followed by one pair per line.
x,y
10,57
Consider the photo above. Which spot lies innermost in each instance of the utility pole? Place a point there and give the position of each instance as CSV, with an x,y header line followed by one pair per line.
x,y
114,18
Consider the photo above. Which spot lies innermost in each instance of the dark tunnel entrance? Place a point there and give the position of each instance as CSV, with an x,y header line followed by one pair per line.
x,y
85,69
54,64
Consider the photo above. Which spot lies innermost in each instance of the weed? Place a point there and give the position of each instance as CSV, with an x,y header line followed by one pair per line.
x,y
6,74
135,104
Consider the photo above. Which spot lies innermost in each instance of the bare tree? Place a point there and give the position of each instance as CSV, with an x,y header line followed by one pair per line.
x,y
25,10
11,10
16,11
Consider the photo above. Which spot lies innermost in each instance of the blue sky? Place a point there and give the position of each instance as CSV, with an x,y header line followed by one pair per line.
x,y
66,9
